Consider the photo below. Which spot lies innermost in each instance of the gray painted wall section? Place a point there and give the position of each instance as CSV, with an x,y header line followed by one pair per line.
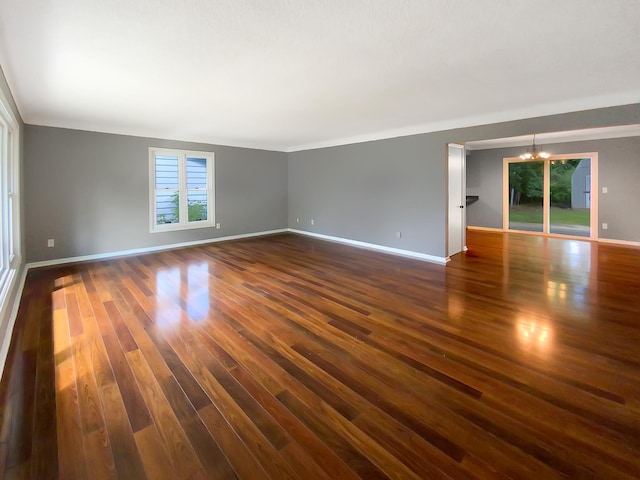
x,y
618,168
371,190
90,192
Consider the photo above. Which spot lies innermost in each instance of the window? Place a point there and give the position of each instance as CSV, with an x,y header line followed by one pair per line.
x,y
181,194
9,197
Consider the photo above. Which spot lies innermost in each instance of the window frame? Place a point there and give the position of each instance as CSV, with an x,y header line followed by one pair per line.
x,y
184,223
10,227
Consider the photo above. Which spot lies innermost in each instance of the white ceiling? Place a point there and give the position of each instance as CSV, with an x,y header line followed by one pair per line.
x,y
294,74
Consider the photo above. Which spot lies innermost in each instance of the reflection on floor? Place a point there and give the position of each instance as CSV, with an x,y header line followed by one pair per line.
x,y
287,357
573,230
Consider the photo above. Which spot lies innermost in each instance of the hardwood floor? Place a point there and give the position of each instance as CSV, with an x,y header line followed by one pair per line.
x,y
288,357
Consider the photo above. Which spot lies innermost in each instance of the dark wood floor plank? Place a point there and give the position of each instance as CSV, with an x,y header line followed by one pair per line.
x,y
99,455
431,435
185,379
330,463
71,452
125,453
96,441
240,421
153,454
44,464
505,397
20,437
181,453
215,463
244,463
308,379
290,357
135,319
282,416
122,332
137,409
358,462
73,313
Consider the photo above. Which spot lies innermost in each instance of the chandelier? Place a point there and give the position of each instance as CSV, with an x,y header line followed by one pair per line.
x,y
533,153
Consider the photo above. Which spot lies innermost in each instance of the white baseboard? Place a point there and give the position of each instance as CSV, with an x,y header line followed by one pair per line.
x,y
373,246
13,315
485,229
136,251
627,243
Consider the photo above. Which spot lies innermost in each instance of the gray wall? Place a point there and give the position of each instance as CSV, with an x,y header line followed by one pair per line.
x,y
618,170
484,178
85,189
90,192
369,191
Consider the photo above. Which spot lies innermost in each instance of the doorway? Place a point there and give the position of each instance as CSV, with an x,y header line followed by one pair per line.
x,y
555,196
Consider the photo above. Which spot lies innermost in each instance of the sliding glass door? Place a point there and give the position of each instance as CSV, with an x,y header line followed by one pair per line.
x,y
570,196
526,206
557,195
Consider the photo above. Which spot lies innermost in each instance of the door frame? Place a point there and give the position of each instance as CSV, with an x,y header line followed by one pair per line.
x,y
546,200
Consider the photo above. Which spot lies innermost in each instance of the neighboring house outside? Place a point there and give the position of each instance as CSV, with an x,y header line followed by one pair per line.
x,y
581,185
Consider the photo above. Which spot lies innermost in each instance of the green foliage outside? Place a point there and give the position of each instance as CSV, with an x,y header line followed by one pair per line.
x,y
566,216
557,216
197,211
527,181
560,190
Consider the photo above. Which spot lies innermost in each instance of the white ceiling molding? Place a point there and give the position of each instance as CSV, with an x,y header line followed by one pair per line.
x,y
290,76
556,137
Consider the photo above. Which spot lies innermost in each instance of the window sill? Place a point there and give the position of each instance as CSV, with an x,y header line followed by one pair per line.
x,y
173,227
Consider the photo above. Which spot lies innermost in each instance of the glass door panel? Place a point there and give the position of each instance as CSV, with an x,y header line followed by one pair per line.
x,y
526,195
570,197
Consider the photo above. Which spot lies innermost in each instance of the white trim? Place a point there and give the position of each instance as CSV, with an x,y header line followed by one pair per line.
x,y
627,243
8,333
568,106
158,134
546,201
5,105
486,229
373,246
159,248
182,190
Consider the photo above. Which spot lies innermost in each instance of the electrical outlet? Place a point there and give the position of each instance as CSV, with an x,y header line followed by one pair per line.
x,y
605,226
51,243
313,222
297,220
218,226
398,234
605,189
